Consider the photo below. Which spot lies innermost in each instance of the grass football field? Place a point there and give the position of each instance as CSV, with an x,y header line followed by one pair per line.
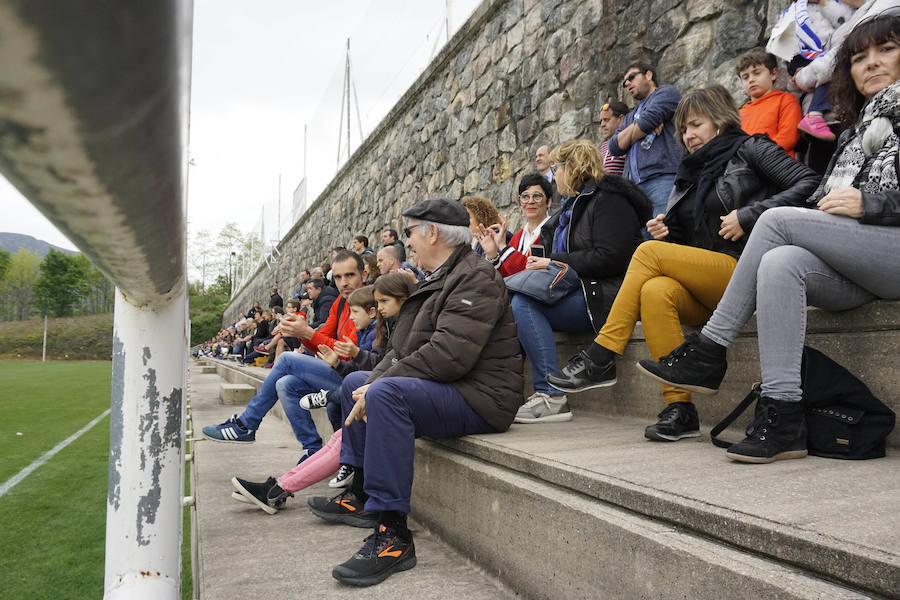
x,y
52,523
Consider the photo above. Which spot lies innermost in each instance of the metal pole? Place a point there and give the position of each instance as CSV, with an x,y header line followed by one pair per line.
x,y
44,351
144,504
347,88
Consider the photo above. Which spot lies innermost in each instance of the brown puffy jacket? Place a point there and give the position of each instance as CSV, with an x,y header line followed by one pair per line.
x,y
459,329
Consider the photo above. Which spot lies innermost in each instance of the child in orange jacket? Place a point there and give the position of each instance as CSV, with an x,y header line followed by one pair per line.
x,y
769,110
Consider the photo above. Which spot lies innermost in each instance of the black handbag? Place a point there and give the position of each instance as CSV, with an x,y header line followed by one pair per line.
x,y
544,285
843,418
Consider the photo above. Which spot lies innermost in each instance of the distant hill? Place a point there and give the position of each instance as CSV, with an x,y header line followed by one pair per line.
x,y
13,241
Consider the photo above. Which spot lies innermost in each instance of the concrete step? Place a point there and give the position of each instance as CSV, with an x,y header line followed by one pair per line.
x,y
236,393
662,518
865,340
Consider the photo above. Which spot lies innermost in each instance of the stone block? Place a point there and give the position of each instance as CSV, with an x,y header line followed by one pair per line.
x,y
701,9
208,369
666,29
236,393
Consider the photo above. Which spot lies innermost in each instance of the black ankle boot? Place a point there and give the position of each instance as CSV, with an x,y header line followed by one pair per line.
x,y
692,366
778,432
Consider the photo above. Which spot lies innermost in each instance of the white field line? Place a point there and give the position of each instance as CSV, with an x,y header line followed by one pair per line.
x,y
15,479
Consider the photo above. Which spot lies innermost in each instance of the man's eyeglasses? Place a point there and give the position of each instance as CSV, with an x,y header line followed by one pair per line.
x,y
407,231
555,167
535,198
629,78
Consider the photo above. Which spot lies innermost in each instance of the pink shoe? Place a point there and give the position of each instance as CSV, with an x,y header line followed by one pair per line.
x,y
816,126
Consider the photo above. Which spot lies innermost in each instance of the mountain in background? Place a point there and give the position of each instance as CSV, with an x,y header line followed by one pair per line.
x,y
13,241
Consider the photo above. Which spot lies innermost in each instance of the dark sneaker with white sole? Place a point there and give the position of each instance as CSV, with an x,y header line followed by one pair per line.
x,y
267,495
691,366
778,432
581,373
343,478
677,421
343,508
315,400
230,431
386,551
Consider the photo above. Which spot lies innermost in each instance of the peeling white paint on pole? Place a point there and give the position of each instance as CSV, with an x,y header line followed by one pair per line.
x,y
146,467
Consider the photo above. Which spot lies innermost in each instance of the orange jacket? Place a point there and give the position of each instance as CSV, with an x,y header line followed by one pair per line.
x,y
777,114
334,328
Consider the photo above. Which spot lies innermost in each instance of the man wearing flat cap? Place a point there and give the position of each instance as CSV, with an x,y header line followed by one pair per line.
x,y
455,369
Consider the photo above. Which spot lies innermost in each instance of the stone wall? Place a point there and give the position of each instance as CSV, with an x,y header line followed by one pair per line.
x,y
518,74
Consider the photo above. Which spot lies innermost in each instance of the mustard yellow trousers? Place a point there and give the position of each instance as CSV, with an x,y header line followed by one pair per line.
x,y
666,286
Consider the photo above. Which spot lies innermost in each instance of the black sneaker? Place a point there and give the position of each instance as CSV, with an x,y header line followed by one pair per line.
x,y
581,373
343,478
689,367
778,432
268,496
343,508
677,420
384,552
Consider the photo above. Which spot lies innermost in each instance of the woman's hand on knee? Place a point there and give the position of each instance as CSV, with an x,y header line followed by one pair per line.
x,y
731,228
846,201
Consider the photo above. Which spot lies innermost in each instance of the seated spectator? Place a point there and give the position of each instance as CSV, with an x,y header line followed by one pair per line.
x,y
295,375
722,187
611,115
389,238
388,261
770,111
595,232
275,298
256,308
454,369
371,267
360,245
301,286
482,213
535,198
838,254
322,296
542,164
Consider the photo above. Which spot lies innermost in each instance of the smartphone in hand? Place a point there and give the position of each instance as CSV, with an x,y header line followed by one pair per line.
x,y
537,250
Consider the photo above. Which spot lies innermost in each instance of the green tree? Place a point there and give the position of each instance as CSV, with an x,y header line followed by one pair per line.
x,y
16,287
5,257
62,284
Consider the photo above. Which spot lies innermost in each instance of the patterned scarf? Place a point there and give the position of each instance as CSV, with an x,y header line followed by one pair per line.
x,y
868,159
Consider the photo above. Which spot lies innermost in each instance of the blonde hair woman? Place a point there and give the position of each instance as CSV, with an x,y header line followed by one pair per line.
x,y
595,232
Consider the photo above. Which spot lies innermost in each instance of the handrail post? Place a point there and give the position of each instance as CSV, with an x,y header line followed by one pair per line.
x,y
146,452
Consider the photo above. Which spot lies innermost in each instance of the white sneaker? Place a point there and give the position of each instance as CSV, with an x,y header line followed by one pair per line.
x,y
541,408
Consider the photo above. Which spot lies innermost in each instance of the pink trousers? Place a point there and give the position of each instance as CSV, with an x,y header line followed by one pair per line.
x,y
315,468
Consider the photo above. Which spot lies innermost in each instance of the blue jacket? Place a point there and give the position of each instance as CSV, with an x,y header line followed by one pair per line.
x,y
665,154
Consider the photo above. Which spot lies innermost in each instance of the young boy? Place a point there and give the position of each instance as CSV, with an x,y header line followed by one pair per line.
x,y
770,111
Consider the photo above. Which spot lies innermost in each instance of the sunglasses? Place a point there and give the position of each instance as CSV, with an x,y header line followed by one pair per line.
x,y
630,78
407,231
555,167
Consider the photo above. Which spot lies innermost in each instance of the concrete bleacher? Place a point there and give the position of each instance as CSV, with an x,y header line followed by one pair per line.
x,y
590,509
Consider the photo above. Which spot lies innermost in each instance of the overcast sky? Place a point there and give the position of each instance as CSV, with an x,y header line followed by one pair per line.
x,y
263,70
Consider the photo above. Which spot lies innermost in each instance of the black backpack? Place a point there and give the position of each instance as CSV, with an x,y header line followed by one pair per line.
x,y
843,419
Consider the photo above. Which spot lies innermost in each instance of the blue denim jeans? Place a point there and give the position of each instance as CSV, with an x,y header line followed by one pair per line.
x,y
536,323
797,257
398,409
658,189
292,376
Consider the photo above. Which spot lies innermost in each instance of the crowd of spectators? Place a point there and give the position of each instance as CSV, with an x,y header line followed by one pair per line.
x,y
690,212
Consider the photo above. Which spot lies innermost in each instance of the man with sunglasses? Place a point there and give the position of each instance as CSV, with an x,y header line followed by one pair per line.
x,y
646,136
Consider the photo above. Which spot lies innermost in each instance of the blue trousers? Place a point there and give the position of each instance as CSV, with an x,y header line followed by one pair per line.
x,y
536,323
658,189
293,375
399,409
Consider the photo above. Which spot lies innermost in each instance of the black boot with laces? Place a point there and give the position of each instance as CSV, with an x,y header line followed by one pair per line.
x,y
778,432
581,373
677,420
695,366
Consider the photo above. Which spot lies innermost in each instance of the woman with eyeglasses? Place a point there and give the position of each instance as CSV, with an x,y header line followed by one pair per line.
x,y
838,253
723,185
595,232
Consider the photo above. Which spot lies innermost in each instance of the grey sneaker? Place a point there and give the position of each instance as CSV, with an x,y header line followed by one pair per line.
x,y
541,408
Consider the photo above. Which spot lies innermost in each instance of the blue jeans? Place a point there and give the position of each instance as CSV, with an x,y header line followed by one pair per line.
x,y
797,257
398,409
292,376
658,189
536,322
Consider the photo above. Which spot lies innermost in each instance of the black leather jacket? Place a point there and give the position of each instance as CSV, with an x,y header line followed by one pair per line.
x,y
759,176
605,229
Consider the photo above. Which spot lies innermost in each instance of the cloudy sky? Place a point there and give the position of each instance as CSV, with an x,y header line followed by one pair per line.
x,y
263,70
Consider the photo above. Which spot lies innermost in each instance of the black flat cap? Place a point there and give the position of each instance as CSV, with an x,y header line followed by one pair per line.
x,y
439,210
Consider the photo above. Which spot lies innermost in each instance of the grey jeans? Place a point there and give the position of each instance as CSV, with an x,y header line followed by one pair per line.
x,y
797,257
